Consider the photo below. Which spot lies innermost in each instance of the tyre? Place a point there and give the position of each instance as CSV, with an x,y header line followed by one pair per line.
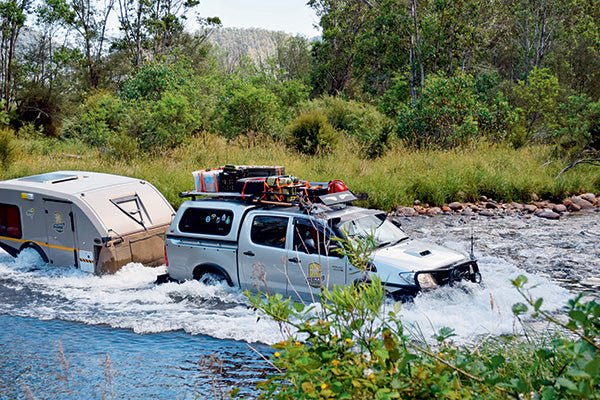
x,y
212,278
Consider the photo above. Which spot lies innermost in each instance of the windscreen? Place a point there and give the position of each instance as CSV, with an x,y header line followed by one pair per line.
x,y
384,232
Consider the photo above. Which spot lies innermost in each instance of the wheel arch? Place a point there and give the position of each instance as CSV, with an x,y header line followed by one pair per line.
x,y
36,247
202,269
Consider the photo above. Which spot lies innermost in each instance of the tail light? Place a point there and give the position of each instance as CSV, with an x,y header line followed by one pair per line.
x,y
166,258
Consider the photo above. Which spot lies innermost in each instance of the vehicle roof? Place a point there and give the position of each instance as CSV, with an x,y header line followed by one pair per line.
x,y
67,182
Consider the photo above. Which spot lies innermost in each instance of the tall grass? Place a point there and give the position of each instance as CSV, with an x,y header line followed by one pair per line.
x,y
399,177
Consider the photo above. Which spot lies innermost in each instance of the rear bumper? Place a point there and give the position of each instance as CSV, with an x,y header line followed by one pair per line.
x,y
468,271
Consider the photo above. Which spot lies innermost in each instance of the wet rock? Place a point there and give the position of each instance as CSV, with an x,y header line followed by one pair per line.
x,y
530,208
567,202
483,198
516,206
559,208
417,202
590,197
455,206
491,205
434,211
547,213
406,211
487,213
573,207
446,209
474,208
468,212
420,210
581,202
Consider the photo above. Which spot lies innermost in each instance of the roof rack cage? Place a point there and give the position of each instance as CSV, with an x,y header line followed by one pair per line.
x,y
296,199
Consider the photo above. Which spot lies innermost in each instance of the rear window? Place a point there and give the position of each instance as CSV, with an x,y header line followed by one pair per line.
x,y
206,221
10,221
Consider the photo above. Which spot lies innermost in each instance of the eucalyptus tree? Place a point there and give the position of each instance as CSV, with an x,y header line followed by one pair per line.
x,y
13,14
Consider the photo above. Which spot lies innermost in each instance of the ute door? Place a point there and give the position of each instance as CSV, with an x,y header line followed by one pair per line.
x,y
262,253
60,229
310,264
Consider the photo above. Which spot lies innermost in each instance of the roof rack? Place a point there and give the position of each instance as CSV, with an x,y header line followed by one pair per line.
x,y
299,200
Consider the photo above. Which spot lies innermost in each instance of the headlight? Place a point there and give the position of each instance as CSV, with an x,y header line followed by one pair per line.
x,y
426,281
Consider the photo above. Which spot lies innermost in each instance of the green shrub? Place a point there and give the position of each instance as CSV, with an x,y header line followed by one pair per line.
x,y
537,100
150,82
351,347
8,147
248,109
578,127
357,120
445,115
97,119
311,133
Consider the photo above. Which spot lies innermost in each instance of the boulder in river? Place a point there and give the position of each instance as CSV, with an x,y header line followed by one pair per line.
x,y
406,211
582,203
590,197
455,206
559,208
547,213
530,208
434,211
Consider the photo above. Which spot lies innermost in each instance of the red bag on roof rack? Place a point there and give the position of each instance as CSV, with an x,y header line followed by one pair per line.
x,y
336,186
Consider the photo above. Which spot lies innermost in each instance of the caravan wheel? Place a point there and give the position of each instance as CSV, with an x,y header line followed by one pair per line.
x,y
37,249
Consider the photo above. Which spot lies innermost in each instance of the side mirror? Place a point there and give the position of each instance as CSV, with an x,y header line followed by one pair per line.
x,y
335,250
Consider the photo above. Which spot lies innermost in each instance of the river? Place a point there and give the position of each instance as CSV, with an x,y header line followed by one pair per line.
x,y
66,334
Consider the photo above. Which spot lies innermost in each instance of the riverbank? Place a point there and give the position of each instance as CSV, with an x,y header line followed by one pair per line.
x,y
434,177
486,207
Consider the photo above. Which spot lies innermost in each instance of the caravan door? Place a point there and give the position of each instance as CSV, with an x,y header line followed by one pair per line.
x,y
60,229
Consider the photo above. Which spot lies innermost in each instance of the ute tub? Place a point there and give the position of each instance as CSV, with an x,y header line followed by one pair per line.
x,y
96,222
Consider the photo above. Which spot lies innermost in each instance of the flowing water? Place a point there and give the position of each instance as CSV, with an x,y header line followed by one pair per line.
x,y
66,334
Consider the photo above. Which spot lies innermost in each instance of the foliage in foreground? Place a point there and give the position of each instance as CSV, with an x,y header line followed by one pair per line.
x,y
353,348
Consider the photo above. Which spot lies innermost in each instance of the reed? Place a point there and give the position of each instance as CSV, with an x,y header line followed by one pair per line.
x,y
399,177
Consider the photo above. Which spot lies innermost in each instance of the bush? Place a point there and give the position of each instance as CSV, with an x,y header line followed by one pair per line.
x,y
98,118
538,102
248,109
351,348
311,133
360,121
445,115
8,147
578,129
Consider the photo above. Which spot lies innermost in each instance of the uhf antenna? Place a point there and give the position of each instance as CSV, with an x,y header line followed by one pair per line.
x,y
472,255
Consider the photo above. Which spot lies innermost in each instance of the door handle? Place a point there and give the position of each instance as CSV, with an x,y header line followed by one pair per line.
x,y
293,260
249,253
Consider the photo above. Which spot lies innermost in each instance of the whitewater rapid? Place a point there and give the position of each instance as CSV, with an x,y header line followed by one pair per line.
x,y
129,299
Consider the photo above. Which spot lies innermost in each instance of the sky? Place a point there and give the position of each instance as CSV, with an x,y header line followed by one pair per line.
x,y
291,16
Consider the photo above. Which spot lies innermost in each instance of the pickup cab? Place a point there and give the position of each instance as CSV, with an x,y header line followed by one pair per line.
x,y
294,250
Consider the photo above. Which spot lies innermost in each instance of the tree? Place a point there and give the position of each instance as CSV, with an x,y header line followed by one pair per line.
x,y
334,55
90,23
12,18
151,28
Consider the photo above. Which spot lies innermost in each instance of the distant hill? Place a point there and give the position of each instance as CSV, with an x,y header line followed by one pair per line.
x,y
257,45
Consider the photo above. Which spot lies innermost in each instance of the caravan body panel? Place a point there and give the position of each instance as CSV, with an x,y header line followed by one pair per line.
x,y
97,222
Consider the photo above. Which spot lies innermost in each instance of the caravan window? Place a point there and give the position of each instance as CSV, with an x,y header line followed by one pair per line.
x,y
133,207
10,221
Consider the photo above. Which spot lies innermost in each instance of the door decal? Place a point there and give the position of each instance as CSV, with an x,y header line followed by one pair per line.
x,y
59,225
315,278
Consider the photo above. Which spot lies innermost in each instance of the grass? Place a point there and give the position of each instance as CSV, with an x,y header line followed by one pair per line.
x,y
398,178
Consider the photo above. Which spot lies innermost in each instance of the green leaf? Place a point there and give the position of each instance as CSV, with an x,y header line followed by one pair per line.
x,y
298,306
519,308
566,383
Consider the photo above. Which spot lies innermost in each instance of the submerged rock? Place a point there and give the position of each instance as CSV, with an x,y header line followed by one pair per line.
x,y
547,213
